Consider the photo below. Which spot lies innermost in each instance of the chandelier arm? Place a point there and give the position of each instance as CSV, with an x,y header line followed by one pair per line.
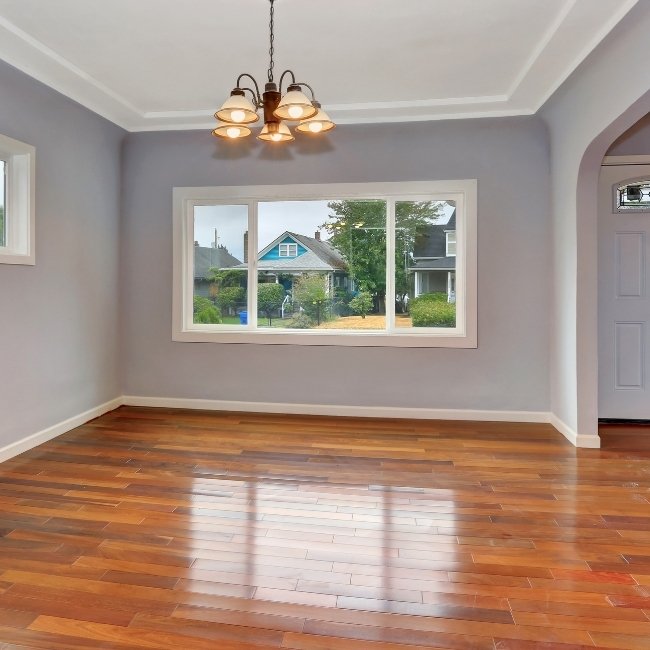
x,y
311,90
258,96
293,78
256,99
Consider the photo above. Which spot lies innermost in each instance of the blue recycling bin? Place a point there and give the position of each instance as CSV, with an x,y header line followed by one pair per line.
x,y
243,318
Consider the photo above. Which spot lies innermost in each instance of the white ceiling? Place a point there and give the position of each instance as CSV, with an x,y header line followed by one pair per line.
x,y
168,64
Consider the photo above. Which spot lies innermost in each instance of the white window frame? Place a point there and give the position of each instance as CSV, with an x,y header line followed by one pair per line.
x,y
19,202
462,192
447,233
288,247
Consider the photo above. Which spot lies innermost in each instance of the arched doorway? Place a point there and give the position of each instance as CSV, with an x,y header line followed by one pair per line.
x,y
587,361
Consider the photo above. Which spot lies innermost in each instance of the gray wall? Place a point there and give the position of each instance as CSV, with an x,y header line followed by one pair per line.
x,y
59,324
585,116
635,141
509,370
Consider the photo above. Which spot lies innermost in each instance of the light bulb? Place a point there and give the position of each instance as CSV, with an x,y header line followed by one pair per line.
x,y
295,112
233,132
237,116
276,137
315,127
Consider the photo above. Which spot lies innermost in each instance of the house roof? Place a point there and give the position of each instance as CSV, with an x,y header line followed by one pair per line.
x,y
432,243
308,261
324,250
207,258
320,256
435,264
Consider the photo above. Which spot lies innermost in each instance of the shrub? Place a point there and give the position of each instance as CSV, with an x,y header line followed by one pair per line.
x,y
361,304
205,312
309,290
432,312
436,296
230,297
269,298
300,321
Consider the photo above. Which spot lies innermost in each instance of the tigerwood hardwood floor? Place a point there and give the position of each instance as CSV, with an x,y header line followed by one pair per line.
x,y
155,528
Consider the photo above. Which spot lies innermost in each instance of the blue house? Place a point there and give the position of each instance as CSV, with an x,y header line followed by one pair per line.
x,y
291,255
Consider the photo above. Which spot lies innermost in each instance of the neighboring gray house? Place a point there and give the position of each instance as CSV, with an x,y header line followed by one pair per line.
x,y
206,259
434,260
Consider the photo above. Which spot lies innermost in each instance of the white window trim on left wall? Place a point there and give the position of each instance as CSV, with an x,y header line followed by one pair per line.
x,y
19,202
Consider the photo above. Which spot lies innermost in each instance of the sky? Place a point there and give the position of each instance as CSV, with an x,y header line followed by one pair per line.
x,y
302,217
230,222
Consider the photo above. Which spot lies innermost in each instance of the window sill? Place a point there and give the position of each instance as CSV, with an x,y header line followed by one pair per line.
x,y
429,339
7,257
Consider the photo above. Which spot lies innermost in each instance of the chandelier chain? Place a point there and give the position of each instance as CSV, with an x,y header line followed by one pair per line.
x,y
272,38
238,112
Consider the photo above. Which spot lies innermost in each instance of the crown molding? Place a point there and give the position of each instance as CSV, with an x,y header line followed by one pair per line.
x,y
538,78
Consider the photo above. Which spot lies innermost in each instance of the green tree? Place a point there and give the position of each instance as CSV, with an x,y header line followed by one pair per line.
x,y
228,277
358,230
228,298
361,304
205,312
309,290
269,298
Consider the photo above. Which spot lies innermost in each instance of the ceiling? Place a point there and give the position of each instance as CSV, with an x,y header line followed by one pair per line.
x,y
166,64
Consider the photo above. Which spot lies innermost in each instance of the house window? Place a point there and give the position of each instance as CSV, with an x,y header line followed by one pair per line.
x,y
451,243
633,197
345,264
288,250
16,202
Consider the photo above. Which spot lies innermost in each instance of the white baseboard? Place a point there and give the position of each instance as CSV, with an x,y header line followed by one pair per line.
x,y
577,439
15,448
338,410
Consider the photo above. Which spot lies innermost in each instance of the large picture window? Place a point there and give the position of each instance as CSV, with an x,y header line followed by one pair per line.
x,y
16,202
346,264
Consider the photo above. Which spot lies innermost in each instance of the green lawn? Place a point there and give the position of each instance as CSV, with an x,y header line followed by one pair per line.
x,y
261,321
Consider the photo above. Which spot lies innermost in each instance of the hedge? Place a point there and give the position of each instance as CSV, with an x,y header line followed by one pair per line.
x,y
205,312
429,310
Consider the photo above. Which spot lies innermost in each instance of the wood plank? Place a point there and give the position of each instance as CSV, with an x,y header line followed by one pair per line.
x,y
158,528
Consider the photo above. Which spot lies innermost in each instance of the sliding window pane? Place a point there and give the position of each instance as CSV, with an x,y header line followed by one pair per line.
x,y
220,264
425,264
322,265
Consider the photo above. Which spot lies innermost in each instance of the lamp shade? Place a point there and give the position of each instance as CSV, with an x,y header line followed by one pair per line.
x,y
231,131
295,105
237,109
275,132
318,124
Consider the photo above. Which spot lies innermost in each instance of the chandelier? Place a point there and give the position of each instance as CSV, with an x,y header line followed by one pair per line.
x,y
238,112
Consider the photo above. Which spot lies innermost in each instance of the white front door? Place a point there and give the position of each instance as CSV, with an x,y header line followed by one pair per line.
x,y
623,300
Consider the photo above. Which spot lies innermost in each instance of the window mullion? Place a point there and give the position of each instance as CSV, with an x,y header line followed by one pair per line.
x,y
8,207
188,261
252,264
390,264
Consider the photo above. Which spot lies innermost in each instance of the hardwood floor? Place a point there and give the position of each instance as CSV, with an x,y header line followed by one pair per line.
x,y
153,528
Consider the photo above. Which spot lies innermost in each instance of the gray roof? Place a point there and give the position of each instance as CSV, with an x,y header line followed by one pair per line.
x,y
433,241
436,264
207,258
323,249
308,261
321,256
